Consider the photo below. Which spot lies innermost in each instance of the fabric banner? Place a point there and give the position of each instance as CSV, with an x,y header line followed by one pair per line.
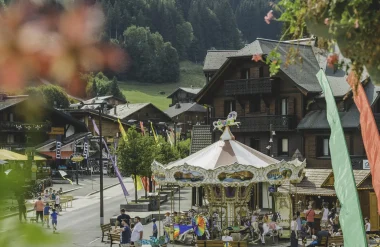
x,y
145,181
154,132
350,217
118,175
370,133
122,131
169,138
142,128
85,148
58,146
139,184
63,174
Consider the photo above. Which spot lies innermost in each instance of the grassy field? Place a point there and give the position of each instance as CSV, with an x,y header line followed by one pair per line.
x,y
138,92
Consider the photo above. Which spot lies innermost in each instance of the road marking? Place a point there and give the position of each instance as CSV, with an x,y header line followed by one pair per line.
x,y
93,241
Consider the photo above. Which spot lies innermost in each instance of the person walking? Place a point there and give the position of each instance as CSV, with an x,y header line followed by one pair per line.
x,y
310,214
155,230
294,232
54,220
46,215
57,204
21,207
122,216
39,207
137,233
53,195
125,234
46,195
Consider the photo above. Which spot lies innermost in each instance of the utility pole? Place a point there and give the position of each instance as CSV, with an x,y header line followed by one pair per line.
x,y
101,166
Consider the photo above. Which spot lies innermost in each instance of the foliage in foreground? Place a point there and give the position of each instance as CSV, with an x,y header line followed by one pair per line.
x,y
50,95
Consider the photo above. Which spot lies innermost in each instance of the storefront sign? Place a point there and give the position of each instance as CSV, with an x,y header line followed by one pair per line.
x,y
366,165
57,131
77,158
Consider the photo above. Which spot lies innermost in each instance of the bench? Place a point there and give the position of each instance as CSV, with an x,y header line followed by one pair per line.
x,y
114,239
336,241
219,243
106,229
323,242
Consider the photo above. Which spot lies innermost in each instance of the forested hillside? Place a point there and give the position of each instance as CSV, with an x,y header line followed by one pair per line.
x,y
157,34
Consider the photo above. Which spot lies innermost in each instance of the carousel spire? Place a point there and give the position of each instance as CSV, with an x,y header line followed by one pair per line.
x,y
225,124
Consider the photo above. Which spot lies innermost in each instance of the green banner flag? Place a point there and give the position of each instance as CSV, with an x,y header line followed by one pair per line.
x,y
350,216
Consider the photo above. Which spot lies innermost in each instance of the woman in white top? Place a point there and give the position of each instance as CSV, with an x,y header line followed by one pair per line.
x,y
294,232
325,217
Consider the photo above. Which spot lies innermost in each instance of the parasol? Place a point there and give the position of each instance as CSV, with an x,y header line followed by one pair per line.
x,y
199,224
176,231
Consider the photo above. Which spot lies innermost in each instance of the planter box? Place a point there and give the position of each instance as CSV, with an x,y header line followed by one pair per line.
x,y
144,220
140,207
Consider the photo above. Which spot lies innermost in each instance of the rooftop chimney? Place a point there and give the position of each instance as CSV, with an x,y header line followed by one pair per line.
x,y
177,106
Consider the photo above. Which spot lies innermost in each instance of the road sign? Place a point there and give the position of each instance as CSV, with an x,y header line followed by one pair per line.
x,y
57,131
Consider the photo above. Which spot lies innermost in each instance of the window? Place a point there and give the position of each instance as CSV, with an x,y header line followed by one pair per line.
x,y
255,144
283,147
10,139
229,106
323,149
284,106
244,74
261,72
255,104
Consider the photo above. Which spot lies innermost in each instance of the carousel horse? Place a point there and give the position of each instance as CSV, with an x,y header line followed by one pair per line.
x,y
271,229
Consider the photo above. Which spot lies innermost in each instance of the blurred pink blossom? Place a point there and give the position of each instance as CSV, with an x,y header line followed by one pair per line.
x,y
257,57
269,17
356,23
327,21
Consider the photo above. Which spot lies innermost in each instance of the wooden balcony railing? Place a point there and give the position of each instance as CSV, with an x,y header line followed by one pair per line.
x,y
262,123
6,126
248,86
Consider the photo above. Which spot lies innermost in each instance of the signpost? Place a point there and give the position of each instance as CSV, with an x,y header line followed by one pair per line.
x,y
76,158
57,131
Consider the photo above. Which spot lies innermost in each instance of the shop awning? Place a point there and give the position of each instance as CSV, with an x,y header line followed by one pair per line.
x,y
64,154
9,155
320,182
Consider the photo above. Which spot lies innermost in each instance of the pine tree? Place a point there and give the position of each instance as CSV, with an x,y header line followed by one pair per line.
x,y
114,89
94,88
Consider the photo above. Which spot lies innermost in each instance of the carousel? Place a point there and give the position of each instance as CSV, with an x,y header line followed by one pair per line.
x,y
227,170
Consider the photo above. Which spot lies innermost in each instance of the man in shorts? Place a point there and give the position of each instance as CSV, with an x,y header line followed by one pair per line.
x,y
46,215
310,214
54,220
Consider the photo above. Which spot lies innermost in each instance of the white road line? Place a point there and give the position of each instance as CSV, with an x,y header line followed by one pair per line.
x,y
93,241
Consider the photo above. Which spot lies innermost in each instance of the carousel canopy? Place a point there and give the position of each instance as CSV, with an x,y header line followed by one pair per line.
x,y
228,162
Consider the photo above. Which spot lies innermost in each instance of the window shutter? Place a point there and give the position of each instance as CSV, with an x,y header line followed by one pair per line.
x,y
291,106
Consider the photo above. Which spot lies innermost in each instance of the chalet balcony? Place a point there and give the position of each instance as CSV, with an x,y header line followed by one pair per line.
x,y
6,126
248,86
262,123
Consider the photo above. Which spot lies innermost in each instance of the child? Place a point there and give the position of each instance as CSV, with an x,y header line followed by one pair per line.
x,y
54,220
367,226
155,231
46,215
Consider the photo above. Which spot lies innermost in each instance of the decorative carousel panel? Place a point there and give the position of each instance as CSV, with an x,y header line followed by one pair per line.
x,y
159,176
188,176
241,176
279,174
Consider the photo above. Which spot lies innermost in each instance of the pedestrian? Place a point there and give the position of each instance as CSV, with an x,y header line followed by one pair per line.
x,y
325,216
60,191
46,196
294,232
310,214
39,207
122,216
21,208
155,230
46,215
51,191
53,194
54,220
57,204
137,233
125,234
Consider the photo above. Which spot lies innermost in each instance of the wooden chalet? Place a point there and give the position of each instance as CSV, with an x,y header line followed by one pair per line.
x,y
291,104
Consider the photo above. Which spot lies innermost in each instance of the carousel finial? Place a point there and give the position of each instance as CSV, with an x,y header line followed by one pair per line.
x,y
230,121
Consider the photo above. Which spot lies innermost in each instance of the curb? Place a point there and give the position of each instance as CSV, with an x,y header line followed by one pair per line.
x,y
96,191
30,210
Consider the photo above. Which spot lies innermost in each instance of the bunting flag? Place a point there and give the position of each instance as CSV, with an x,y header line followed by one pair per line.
x,y
350,217
122,131
139,184
142,128
118,175
370,133
154,132
145,181
63,174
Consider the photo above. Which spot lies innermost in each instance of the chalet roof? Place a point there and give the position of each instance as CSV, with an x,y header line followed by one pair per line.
x,y
180,108
192,90
216,58
201,138
12,100
125,110
318,119
96,100
312,183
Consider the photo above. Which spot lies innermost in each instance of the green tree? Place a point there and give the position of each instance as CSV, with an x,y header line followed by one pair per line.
x,y
115,90
184,38
183,148
50,95
165,152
